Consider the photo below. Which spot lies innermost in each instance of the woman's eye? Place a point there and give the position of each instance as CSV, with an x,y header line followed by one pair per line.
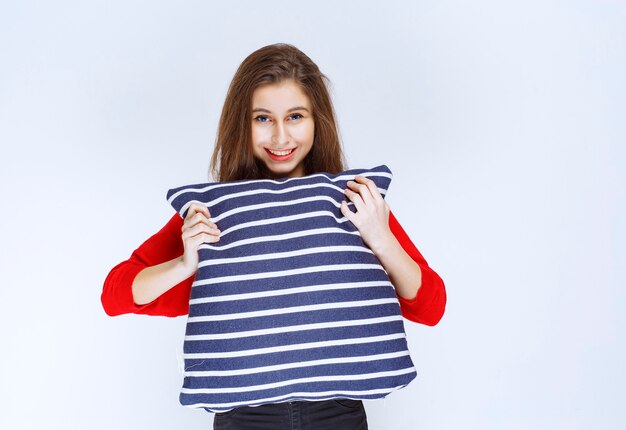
x,y
261,118
295,116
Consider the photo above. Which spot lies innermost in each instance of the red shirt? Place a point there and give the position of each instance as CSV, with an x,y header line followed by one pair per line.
x,y
117,298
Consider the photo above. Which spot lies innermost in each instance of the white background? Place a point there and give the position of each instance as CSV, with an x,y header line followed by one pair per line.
x,y
504,125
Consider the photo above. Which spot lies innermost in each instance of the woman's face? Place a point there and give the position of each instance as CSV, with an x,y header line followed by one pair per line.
x,y
282,127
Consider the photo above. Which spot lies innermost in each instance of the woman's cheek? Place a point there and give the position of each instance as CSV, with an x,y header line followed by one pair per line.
x,y
305,130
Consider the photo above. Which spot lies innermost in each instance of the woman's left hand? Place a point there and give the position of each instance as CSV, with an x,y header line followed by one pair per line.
x,y
372,213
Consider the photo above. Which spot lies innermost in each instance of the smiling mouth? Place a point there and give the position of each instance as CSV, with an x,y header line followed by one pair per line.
x,y
283,155
280,153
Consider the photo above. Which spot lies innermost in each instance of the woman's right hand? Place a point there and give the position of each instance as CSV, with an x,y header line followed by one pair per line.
x,y
197,229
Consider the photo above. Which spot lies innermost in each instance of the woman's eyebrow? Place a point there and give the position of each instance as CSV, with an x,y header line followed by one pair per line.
x,y
289,110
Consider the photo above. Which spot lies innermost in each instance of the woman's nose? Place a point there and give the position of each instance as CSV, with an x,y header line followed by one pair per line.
x,y
280,137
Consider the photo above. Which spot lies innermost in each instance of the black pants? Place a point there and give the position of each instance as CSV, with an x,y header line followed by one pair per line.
x,y
339,414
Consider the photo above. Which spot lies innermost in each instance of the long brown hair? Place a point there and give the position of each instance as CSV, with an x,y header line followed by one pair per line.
x,y
232,157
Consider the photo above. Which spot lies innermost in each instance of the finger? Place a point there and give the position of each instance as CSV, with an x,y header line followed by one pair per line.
x,y
356,199
194,243
196,207
197,219
197,213
204,238
372,187
200,218
203,228
362,190
345,210
200,229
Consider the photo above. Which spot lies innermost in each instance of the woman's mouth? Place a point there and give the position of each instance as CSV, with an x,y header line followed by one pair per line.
x,y
280,155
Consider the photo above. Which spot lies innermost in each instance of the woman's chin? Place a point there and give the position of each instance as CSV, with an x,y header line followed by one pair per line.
x,y
287,170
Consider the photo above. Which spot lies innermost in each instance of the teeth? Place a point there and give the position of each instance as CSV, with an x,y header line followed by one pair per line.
x,y
280,153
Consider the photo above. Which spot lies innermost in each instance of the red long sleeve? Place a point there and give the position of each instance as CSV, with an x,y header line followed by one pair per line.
x,y
430,303
165,245
427,307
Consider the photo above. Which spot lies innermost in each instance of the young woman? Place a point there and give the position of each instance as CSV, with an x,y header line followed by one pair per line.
x,y
278,121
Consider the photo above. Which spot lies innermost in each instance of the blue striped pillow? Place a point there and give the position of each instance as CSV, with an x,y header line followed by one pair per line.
x,y
290,304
